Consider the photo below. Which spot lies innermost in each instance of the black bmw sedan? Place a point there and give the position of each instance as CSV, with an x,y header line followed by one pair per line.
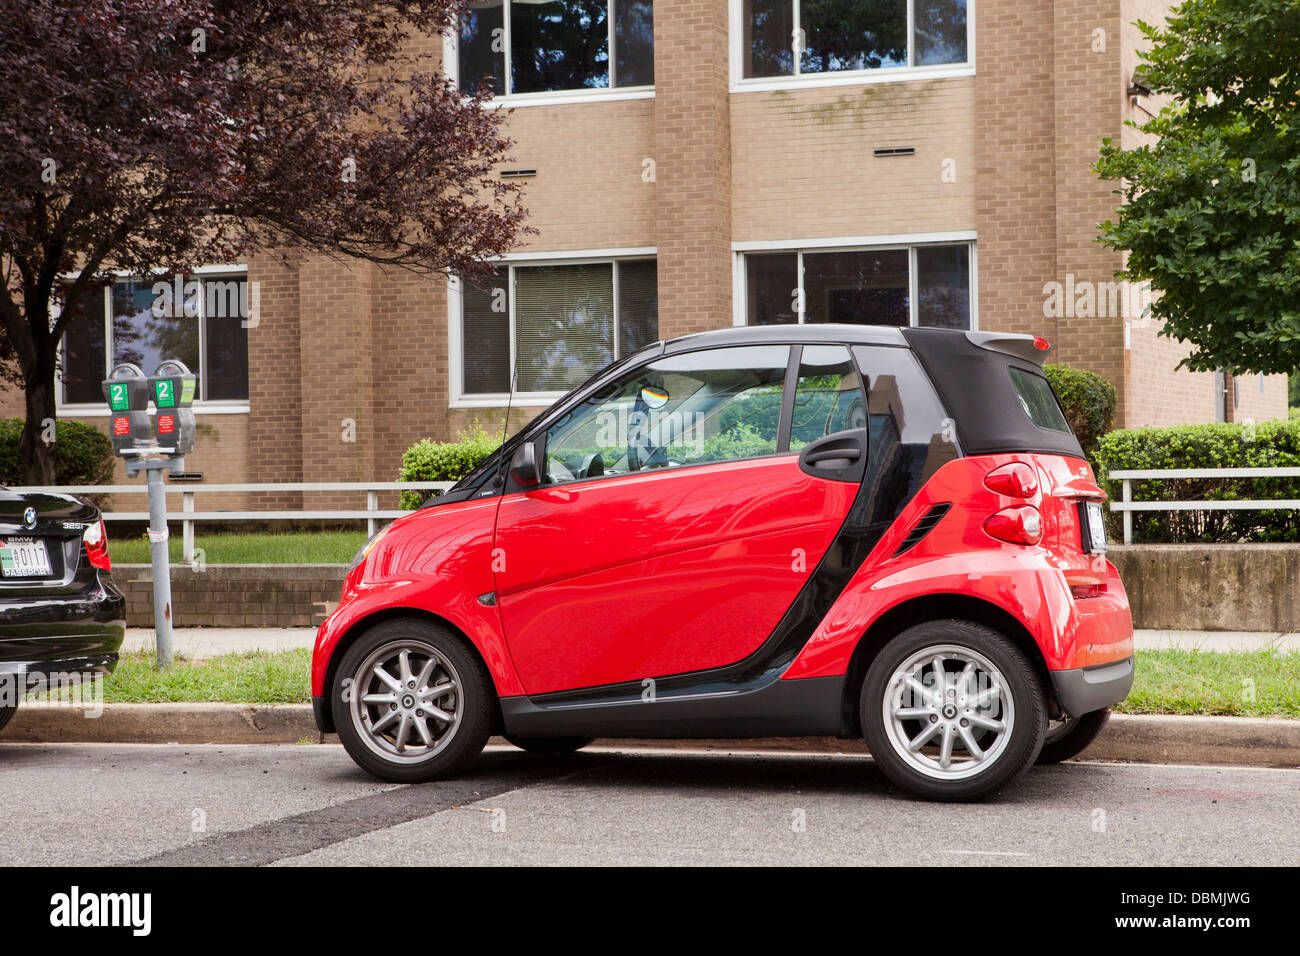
x,y
60,612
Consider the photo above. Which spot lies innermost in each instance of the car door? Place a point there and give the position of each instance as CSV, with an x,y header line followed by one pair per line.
x,y
679,518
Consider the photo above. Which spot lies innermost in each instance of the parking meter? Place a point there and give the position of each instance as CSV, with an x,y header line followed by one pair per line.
x,y
172,389
126,390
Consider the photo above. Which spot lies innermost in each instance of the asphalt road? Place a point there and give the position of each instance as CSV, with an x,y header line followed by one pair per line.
x,y
308,805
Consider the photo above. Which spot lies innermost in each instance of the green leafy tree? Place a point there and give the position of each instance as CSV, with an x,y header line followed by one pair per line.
x,y
1211,213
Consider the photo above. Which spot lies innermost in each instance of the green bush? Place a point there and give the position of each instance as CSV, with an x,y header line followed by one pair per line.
x,y
1267,445
429,460
1088,400
85,454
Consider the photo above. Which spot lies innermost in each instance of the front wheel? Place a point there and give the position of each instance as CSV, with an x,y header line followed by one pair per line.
x,y
952,710
1072,736
412,702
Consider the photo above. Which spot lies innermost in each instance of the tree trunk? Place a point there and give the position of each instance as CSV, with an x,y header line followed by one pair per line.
x,y
39,459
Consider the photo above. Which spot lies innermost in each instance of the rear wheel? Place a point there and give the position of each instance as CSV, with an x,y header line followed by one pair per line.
x,y
952,710
1072,736
7,714
412,702
550,745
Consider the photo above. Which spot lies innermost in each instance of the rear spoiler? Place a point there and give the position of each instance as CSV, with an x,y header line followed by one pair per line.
x,y
1028,348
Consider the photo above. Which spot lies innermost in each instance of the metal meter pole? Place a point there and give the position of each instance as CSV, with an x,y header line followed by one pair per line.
x,y
162,578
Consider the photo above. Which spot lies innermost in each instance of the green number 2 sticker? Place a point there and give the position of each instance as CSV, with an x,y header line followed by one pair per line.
x,y
117,399
164,394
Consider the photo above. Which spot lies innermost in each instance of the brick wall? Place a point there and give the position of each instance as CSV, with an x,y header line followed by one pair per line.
x,y
259,595
692,153
802,163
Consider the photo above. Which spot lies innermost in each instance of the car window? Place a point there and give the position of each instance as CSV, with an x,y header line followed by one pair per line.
x,y
828,396
699,407
1038,400
910,436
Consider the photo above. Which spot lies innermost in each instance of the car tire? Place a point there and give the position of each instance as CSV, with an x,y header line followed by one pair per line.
x,y
549,745
964,740
1072,736
7,714
432,678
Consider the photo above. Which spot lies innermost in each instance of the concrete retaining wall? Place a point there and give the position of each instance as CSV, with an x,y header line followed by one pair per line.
x,y
1212,587
236,595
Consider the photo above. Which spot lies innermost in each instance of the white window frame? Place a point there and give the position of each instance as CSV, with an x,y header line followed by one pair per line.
x,y
451,67
740,285
234,406
455,324
892,74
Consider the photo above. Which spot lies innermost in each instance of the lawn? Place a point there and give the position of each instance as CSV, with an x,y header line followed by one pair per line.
x,y
1237,684
1242,684
294,547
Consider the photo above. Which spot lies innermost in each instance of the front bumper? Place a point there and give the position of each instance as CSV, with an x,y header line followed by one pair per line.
x,y
1082,690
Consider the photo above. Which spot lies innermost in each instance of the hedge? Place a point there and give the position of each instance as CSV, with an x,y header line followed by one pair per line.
x,y
85,454
1088,400
429,460
1270,444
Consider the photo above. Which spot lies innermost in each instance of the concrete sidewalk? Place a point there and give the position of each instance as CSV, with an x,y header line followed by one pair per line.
x,y
200,643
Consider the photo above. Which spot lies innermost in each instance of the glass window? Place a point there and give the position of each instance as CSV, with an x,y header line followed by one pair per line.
x,y
769,38
869,286
940,31
910,436
485,333
481,44
634,43
567,322
863,35
558,45
85,365
225,339
857,287
943,286
564,325
137,321
828,397
697,408
555,45
1038,400
832,36
772,283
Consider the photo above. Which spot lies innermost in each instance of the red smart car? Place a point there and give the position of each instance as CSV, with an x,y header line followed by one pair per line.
x,y
799,530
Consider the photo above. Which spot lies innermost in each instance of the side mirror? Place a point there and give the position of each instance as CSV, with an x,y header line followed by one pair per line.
x,y
528,466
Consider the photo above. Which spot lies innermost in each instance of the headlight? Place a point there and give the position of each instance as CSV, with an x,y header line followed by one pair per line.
x,y
364,551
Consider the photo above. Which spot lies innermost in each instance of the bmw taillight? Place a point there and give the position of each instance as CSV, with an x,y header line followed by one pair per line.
x,y
1020,525
96,541
1017,480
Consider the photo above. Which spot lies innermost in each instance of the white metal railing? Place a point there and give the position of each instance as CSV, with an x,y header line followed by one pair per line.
x,y
371,514
1127,506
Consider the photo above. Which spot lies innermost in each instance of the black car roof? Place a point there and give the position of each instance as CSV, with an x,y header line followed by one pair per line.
x,y
810,333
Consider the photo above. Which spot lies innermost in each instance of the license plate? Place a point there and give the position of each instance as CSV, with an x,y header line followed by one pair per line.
x,y
24,558
1096,529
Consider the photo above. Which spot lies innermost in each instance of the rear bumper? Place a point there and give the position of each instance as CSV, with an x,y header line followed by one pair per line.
x,y
1085,689
77,632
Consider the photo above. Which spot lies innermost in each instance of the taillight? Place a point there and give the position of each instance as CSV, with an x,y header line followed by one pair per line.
x,y
1020,525
1016,479
96,541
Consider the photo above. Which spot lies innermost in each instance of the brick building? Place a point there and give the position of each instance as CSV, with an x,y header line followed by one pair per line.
x,y
692,164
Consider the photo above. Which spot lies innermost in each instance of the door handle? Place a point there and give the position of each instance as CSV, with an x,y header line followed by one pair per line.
x,y
840,456
834,454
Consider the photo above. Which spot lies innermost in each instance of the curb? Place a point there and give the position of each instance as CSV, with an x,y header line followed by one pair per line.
x,y
1240,741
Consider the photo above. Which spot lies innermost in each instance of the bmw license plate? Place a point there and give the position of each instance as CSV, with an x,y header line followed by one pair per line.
x,y
1095,528
24,558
